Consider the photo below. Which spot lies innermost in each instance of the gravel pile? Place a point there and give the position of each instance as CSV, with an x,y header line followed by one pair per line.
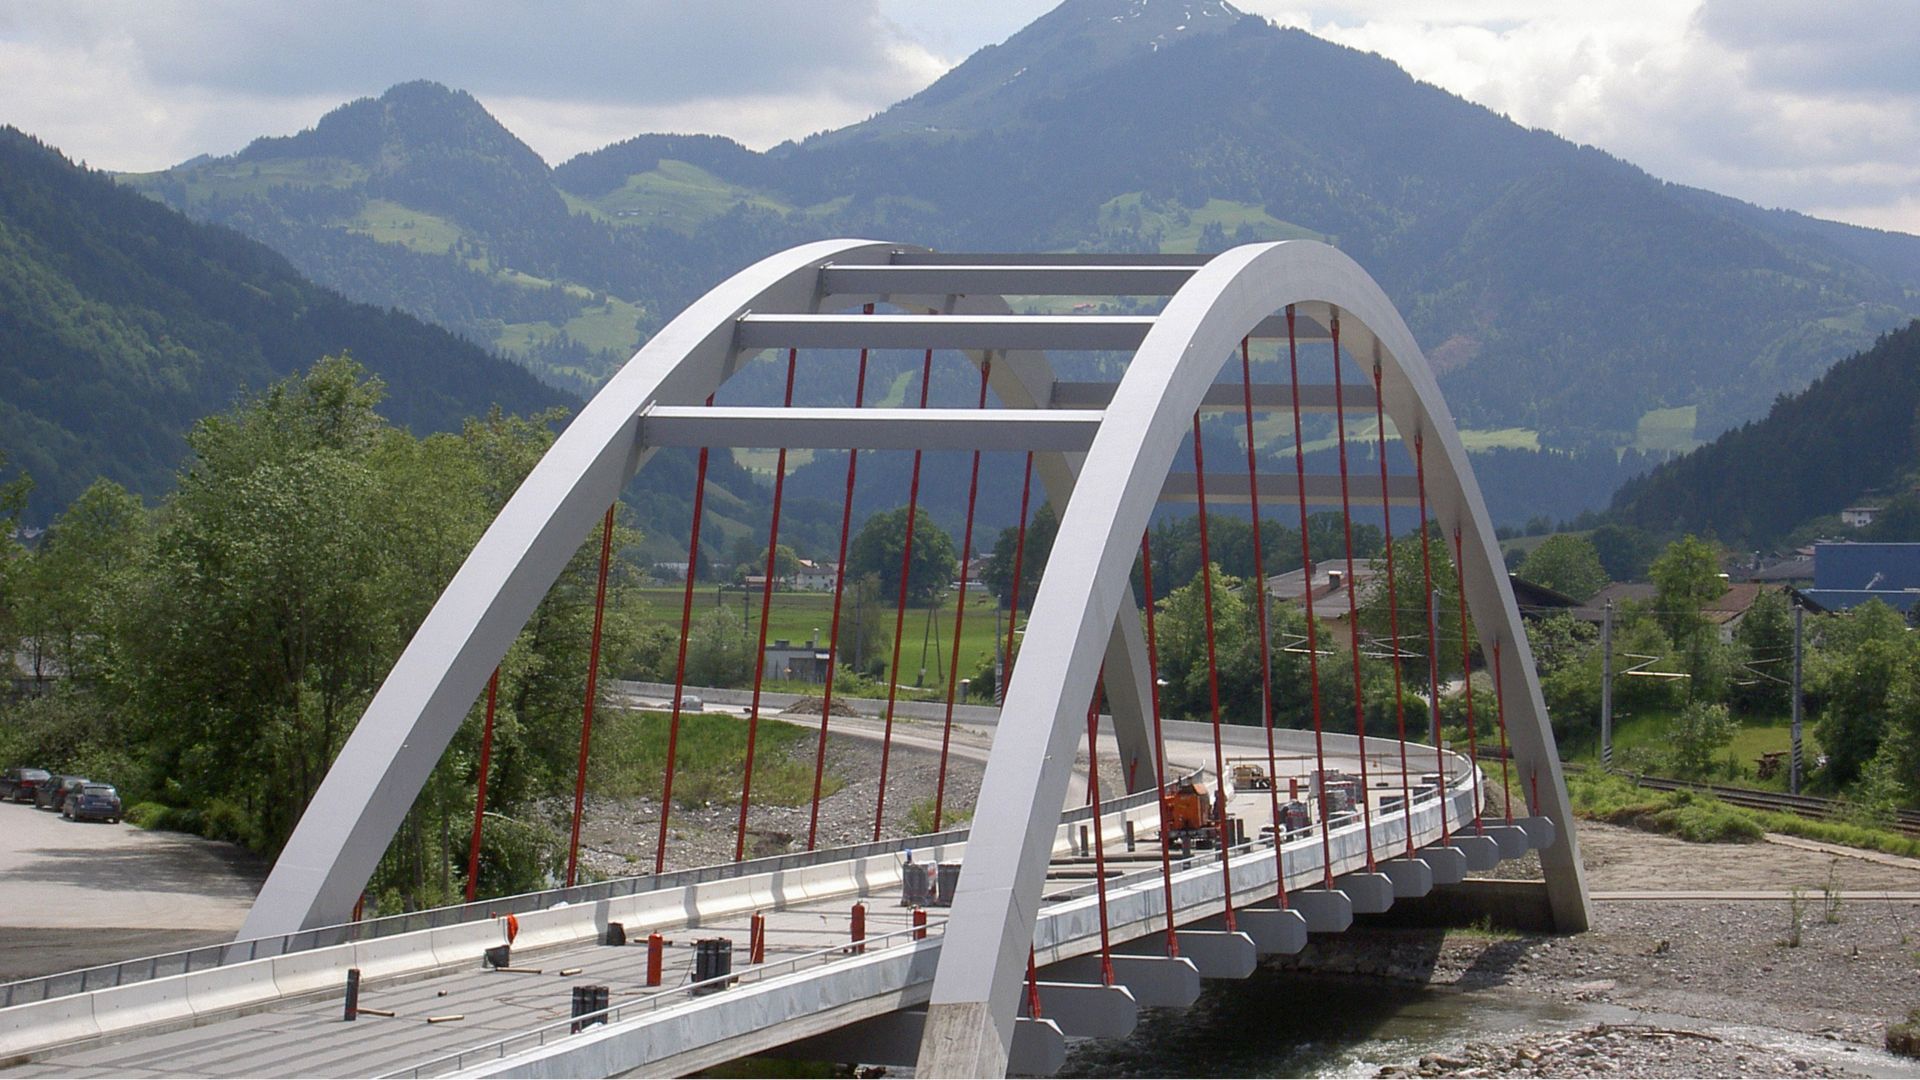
x,y
1615,1050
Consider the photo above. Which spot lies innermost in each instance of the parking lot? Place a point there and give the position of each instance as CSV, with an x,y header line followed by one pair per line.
x,y
77,893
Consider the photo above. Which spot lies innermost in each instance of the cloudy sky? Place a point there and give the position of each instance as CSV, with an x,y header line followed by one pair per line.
x,y
1789,103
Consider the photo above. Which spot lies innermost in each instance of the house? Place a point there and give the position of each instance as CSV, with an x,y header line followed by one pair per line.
x,y
1846,575
1859,517
1724,611
814,576
1536,601
31,671
806,662
1329,583
1794,571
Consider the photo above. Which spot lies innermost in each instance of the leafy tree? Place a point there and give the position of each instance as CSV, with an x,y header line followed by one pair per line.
x,y
877,547
1568,563
997,574
1410,593
1685,577
1698,735
76,574
719,650
1623,551
1766,635
1851,676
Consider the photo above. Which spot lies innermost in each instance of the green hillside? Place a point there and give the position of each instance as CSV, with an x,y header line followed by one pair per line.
x,y
122,323
1568,299
1854,430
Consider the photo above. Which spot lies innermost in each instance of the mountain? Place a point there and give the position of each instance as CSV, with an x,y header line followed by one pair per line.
x,y
123,322
1569,300
1855,430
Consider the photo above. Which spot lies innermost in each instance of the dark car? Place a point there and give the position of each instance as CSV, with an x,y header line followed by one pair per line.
x,y
19,784
93,802
50,795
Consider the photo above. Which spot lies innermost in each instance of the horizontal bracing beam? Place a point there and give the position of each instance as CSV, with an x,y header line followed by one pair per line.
x,y
1086,333
870,429
1069,332
1046,258
983,280
1225,397
1363,490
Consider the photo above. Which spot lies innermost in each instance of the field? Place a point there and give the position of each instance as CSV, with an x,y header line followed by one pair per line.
x,y
1647,733
800,616
630,755
1668,430
1180,227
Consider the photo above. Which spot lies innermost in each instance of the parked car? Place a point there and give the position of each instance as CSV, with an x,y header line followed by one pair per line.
x,y
56,791
18,784
93,802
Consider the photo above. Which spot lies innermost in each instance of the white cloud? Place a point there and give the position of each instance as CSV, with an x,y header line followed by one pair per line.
x,y
1780,102
1815,107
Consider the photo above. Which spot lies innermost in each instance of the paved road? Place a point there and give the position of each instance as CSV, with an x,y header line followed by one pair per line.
x,y
79,893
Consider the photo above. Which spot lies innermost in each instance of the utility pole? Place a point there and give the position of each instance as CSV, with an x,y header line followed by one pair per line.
x,y
1793,772
1606,687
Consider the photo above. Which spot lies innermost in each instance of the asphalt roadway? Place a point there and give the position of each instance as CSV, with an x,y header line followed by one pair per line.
x,y
73,894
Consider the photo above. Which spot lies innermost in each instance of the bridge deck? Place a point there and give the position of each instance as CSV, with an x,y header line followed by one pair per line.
x,y
303,1034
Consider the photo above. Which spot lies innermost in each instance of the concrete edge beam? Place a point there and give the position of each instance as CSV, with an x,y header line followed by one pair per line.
x,y
1482,852
1088,1010
1275,931
1155,981
1218,954
1411,877
1541,831
1449,864
1326,911
1369,893
1512,840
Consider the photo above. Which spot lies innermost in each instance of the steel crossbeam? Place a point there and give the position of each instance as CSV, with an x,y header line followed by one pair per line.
x,y
870,429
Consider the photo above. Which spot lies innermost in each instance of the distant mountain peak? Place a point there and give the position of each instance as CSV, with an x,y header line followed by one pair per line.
x,y
420,115
1062,48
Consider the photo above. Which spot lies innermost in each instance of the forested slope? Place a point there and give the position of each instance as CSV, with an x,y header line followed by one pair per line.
x,y
1857,428
123,322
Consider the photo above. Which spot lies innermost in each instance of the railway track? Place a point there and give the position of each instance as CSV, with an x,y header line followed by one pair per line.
x,y
1906,821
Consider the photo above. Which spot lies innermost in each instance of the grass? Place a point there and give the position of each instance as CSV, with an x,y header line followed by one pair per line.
x,y
675,195
391,223
1646,731
798,616
1701,818
1512,438
762,461
630,756
1667,430
1180,227
1688,815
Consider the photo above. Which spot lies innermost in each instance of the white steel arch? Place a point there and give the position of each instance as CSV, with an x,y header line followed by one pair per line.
x,y
970,1018
1104,468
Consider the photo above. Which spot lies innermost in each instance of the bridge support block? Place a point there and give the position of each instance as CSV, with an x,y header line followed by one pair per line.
x,y
1039,1048
1449,864
1512,839
1218,954
1541,831
1326,911
1275,931
1154,981
1482,851
1087,1009
1370,894
1411,877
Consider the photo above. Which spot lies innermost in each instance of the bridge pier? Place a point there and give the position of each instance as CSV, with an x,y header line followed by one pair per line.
x,y
1410,877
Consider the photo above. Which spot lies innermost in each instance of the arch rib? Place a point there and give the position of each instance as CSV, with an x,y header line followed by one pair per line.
x,y
969,1025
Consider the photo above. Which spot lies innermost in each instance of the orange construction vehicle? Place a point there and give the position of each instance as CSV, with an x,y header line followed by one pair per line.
x,y
1190,814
